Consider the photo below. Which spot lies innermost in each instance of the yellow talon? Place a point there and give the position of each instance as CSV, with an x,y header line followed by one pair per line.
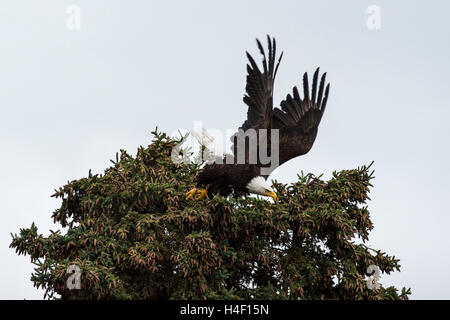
x,y
191,193
201,194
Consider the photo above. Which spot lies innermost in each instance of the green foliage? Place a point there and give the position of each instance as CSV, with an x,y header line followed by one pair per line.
x,y
134,236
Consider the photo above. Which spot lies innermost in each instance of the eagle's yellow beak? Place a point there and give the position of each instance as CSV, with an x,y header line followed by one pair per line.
x,y
272,194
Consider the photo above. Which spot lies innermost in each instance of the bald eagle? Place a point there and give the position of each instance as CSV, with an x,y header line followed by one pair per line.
x,y
296,123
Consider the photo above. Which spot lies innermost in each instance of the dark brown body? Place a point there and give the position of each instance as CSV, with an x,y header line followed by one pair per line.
x,y
226,178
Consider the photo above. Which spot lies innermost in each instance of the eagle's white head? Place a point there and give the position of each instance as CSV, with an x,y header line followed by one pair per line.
x,y
259,185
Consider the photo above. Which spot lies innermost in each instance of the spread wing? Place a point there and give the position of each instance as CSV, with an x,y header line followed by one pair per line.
x,y
299,118
259,88
259,92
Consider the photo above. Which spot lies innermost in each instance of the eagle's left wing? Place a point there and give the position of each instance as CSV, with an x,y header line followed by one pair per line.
x,y
298,119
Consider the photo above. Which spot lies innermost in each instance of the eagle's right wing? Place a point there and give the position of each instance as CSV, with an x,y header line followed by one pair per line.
x,y
259,92
259,88
298,119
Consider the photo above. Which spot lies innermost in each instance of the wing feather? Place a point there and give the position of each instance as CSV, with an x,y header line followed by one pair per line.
x,y
298,119
259,90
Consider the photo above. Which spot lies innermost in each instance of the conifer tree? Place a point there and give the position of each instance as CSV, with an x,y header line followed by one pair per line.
x,y
133,235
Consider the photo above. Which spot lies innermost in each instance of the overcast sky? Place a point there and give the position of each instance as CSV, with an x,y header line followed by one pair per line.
x,y
70,99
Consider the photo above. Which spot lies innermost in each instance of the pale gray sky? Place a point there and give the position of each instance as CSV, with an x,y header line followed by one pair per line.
x,y
70,99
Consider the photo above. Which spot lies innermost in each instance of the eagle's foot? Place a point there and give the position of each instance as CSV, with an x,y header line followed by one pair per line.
x,y
201,193
191,193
